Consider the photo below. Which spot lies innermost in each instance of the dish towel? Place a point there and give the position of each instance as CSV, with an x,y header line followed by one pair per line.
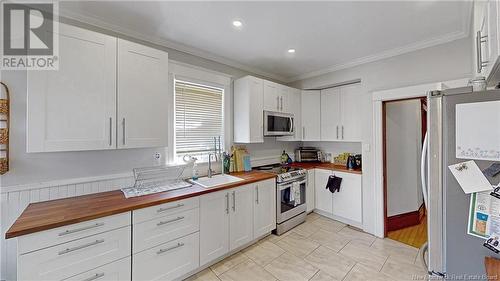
x,y
296,193
334,183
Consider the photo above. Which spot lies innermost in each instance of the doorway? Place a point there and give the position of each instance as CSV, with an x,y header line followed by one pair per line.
x,y
404,127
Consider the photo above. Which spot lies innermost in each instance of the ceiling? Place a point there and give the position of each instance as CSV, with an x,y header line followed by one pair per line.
x,y
327,36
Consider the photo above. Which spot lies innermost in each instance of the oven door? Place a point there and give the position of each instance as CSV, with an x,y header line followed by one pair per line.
x,y
278,124
290,203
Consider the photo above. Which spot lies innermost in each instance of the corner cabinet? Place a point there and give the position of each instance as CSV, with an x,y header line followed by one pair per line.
x,y
292,103
248,110
106,94
311,115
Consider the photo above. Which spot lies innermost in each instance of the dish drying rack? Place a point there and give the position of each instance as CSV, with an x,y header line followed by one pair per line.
x,y
149,180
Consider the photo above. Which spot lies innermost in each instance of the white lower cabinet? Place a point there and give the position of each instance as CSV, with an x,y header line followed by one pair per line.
x,y
323,196
310,192
241,217
264,212
65,260
167,261
116,271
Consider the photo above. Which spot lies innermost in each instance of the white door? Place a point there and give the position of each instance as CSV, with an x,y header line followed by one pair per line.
x,y
310,193
271,96
323,198
264,213
241,216
330,114
294,107
350,102
142,96
348,202
74,108
311,117
214,226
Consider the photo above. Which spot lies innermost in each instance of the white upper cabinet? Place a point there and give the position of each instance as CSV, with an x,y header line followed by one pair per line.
x,y
248,110
292,103
330,114
74,108
271,96
340,114
311,115
142,96
486,41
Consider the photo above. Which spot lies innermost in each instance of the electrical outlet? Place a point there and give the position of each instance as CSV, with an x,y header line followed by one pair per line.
x,y
157,158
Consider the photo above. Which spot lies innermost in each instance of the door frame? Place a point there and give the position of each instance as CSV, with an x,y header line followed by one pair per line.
x,y
378,98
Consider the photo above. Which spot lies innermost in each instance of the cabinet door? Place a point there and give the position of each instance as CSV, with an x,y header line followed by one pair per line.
x,y
350,102
310,193
241,216
323,198
116,271
256,105
264,214
284,93
311,117
271,96
74,108
294,107
248,110
214,226
142,96
330,114
348,202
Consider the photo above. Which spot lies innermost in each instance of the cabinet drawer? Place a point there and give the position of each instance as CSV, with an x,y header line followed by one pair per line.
x,y
166,209
167,261
115,271
63,234
66,260
160,230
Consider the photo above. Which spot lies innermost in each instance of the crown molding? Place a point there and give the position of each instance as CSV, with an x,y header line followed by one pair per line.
x,y
64,13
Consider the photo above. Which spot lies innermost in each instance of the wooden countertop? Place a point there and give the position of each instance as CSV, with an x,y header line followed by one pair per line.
x,y
325,166
55,213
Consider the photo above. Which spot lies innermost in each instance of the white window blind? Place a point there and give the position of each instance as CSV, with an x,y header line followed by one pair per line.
x,y
198,118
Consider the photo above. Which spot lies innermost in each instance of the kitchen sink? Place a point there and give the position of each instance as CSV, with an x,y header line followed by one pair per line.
x,y
215,180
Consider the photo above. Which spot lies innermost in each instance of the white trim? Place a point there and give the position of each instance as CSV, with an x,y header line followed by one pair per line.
x,y
384,55
167,43
378,98
46,184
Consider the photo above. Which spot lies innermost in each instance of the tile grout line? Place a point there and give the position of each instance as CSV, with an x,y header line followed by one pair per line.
x,y
345,276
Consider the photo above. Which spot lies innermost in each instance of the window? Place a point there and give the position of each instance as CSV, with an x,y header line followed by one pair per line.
x,y
198,119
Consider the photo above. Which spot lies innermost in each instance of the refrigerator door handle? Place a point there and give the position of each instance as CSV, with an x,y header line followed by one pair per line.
x,y
423,170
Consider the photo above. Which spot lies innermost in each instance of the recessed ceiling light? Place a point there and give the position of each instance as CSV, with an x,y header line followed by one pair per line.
x,y
291,51
237,23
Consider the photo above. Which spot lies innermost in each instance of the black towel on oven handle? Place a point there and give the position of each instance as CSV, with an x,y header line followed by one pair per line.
x,y
334,183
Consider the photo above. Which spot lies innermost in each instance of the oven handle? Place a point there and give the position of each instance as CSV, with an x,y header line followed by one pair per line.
x,y
288,184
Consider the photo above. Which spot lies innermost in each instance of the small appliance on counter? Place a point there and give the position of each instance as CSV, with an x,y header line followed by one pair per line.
x,y
307,154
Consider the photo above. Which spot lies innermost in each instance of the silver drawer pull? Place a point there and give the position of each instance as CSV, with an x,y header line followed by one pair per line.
x,y
69,250
94,277
169,221
170,208
69,231
161,251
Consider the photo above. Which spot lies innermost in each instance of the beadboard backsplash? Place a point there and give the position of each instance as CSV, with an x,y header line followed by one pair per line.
x,y
14,199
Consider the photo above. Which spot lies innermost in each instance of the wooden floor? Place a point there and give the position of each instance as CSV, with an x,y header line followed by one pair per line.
x,y
414,236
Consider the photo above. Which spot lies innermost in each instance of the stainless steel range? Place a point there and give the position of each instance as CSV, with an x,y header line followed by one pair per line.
x,y
291,206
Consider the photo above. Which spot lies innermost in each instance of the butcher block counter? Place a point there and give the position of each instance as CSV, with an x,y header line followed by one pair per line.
x,y
325,166
55,213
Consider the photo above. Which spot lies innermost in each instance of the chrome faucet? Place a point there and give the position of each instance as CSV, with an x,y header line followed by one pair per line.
x,y
210,171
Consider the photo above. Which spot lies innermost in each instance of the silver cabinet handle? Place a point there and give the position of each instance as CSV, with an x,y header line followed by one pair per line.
x,y
123,131
169,221
480,39
277,103
161,251
303,133
337,132
227,203
281,101
257,190
161,210
69,250
94,277
69,231
234,201
342,131
110,131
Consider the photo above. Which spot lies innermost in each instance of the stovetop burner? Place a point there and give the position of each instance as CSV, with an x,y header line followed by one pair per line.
x,y
285,173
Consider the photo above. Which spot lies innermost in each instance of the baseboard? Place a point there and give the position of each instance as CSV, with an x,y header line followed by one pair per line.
x,y
403,220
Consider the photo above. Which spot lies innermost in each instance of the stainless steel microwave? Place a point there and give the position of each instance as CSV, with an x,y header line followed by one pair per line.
x,y
278,124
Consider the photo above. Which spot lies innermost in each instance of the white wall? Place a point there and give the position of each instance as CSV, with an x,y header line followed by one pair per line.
x,y
403,151
440,63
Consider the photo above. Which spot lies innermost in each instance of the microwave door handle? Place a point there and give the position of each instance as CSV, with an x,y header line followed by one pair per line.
x,y
291,124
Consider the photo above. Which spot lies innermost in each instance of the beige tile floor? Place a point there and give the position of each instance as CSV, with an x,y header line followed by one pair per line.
x,y
319,249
